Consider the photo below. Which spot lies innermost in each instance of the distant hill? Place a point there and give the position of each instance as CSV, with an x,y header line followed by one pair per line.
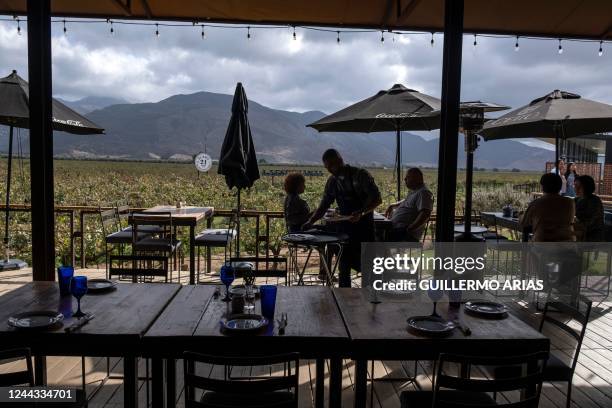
x,y
183,125
91,103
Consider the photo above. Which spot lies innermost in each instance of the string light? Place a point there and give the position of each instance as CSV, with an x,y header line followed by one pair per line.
x,y
18,27
338,38
516,44
560,47
382,37
294,36
475,41
600,48
393,38
156,30
432,39
112,29
248,33
65,31
203,32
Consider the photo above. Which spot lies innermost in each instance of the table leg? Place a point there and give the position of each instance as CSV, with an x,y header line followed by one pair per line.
x,y
192,255
171,382
130,381
335,382
361,383
40,370
157,380
320,383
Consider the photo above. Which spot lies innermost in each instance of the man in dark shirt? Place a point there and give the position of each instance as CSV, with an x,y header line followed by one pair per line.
x,y
357,195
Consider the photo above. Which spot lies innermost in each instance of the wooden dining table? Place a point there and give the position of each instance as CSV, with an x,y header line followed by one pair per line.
x,y
379,331
192,322
511,223
187,216
121,317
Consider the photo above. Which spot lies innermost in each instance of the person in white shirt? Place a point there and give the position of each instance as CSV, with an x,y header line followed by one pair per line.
x,y
409,216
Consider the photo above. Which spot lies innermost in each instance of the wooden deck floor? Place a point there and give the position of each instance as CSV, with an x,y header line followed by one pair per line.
x,y
592,380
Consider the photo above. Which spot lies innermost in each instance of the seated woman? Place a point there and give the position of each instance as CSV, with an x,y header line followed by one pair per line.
x,y
296,209
551,216
589,210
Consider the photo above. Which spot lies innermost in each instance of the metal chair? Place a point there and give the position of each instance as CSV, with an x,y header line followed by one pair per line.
x,y
215,238
557,370
26,378
241,392
460,390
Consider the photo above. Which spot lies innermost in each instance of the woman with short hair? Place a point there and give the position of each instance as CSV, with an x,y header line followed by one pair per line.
x,y
589,210
296,209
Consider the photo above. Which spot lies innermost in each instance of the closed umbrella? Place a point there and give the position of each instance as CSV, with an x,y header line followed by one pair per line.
x,y
15,112
558,115
237,160
394,110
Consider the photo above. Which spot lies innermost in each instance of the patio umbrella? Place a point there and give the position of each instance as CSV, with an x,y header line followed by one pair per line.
x,y
237,160
394,110
560,115
15,112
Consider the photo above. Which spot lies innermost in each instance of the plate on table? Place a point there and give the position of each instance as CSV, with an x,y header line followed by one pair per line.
x,y
241,290
100,285
298,237
484,308
244,323
430,325
38,319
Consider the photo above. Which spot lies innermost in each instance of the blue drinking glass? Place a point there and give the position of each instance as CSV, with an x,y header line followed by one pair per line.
x,y
267,293
78,288
64,276
227,277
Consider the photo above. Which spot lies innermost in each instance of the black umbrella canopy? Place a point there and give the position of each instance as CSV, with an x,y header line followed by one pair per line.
x,y
15,111
559,114
237,160
397,108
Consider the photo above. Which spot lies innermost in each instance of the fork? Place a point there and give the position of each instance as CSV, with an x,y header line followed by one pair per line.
x,y
282,323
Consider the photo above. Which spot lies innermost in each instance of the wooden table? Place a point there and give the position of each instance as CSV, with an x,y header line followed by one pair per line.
x,y
191,322
121,318
379,332
188,217
498,218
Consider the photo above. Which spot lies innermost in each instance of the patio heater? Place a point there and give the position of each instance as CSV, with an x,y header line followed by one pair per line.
x,y
471,121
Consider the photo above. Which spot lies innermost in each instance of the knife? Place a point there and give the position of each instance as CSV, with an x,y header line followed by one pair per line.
x,y
464,329
79,323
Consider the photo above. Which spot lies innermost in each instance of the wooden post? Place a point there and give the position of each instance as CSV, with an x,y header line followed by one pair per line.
x,y
41,139
449,126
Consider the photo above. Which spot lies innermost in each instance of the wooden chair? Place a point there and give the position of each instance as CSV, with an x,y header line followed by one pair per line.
x,y
460,390
160,248
562,316
215,238
241,392
26,378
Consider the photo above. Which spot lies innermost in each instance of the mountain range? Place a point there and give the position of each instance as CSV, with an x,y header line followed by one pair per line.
x,y
183,125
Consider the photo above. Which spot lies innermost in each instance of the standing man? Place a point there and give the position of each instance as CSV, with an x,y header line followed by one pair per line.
x,y
356,194
409,216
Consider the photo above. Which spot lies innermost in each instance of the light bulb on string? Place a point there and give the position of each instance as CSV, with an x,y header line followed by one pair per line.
x,y
294,35
338,38
600,48
382,37
475,41
112,29
560,47
18,27
65,30
156,30
393,38
249,33
432,40
516,44
203,32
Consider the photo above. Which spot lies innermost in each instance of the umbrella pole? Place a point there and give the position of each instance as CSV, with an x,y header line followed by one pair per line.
x,y
238,227
469,173
556,152
398,168
8,195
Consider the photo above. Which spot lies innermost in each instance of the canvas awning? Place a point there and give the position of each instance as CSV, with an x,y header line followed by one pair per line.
x,y
549,18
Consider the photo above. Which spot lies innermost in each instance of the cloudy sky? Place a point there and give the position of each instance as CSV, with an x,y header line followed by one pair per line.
x,y
310,73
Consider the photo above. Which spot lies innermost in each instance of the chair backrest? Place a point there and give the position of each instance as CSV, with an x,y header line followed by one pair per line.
x,y
161,219
241,385
23,377
232,221
108,218
568,315
123,212
528,380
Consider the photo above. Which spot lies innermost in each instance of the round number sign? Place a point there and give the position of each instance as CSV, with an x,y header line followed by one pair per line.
x,y
203,162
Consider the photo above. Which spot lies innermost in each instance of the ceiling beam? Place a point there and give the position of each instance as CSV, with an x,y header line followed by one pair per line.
x,y
126,7
388,12
147,8
607,33
408,9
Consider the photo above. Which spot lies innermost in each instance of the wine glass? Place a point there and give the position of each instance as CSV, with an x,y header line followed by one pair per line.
x,y
249,292
78,288
435,294
227,277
